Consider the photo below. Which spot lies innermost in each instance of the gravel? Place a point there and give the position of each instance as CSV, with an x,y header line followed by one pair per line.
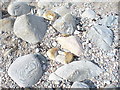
x,y
109,61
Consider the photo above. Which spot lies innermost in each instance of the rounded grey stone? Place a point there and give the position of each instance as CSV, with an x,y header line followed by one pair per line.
x,y
30,28
26,70
18,8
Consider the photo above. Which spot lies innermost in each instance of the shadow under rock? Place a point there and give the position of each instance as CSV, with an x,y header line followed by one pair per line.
x,y
90,84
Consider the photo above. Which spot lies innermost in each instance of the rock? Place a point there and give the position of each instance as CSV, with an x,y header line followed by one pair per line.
x,y
101,36
88,13
80,85
113,86
108,20
43,4
65,58
61,11
26,70
0,15
30,28
52,53
65,24
76,71
6,24
72,44
50,15
18,8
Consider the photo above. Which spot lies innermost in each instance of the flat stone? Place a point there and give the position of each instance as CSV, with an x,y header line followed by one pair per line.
x,y
88,13
76,71
18,8
30,28
72,44
80,85
6,24
65,24
26,70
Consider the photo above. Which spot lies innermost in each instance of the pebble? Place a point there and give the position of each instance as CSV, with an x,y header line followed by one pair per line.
x,y
30,28
76,32
37,50
18,8
26,70
61,10
52,53
65,24
54,44
6,24
40,12
72,44
76,71
88,13
64,58
50,15
80,85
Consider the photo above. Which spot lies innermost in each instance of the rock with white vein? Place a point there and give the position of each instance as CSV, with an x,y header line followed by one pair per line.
x,y
18,8
65,24
101,36
80,85
88,13
72,44
76,71
26,70
30,28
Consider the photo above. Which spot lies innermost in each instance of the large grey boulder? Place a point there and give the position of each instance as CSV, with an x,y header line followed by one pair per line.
x,y
30,28
76,71
26,70
18,8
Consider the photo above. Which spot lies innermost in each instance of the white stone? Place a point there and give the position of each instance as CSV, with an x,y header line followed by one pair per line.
x,y
65,24
37,50
88,13
54,44
18,8
80,85
76,71
76,32
40,12
72,44
30,28
26,70
61,10
6,24
101,36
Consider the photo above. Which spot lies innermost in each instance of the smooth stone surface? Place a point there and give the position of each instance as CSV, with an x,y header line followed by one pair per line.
x,y
26,70
65,24
80,85
101,36
18,8
88,13
72,44
30,28
61,10
6,24
76,71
